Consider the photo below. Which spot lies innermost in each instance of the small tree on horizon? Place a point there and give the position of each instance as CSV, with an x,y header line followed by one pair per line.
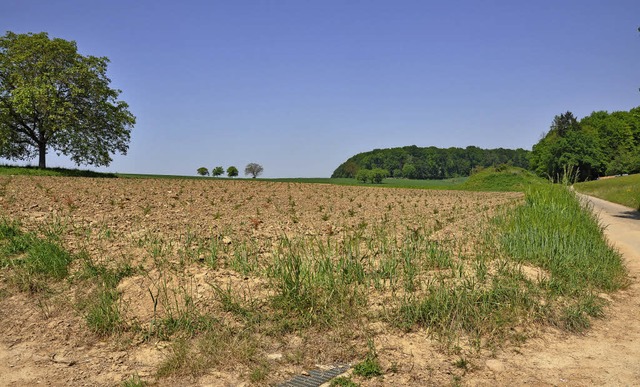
x,y
217,171
253,169
202,171
232,171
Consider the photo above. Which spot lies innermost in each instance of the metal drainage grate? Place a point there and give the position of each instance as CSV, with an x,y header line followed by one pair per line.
x,y
316,377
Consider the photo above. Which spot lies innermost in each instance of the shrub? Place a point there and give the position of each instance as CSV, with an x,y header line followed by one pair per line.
x,y
377,175
363,175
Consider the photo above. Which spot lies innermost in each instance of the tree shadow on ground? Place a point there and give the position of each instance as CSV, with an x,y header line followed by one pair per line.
x,y
632,214
35,171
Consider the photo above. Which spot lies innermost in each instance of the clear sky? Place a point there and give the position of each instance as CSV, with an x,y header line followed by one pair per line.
x,y
301,85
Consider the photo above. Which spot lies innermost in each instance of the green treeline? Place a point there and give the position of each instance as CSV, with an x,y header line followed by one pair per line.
x,y
597,145
414,162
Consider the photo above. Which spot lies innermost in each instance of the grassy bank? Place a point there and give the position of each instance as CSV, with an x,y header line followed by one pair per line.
x,y
554,231
502,178
623,190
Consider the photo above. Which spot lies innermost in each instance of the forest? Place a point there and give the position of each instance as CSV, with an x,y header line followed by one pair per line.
x,y
413,162
600,144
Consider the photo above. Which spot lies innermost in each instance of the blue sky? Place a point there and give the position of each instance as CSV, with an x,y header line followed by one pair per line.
x,y
301,85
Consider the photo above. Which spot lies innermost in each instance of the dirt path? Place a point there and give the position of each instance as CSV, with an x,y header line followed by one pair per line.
x,y
608,354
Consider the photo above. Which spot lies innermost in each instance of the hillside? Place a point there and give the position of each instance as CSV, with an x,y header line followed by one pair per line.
x,y
502,178
413,162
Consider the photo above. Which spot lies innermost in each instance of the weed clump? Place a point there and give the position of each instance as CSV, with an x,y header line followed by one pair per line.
x,y
35,259
370,366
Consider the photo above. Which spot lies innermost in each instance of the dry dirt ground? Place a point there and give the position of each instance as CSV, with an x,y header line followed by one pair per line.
x,y
45,340
42,343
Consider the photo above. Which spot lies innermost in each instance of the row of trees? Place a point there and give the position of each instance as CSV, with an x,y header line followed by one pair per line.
x,y
414,162
597,145
252,169
218,171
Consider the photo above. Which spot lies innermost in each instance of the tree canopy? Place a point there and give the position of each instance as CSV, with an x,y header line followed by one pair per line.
x,y
217,171
51,97
414,162
232,171
600,144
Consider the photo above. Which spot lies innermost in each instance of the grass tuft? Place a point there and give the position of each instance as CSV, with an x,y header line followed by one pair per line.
x,y
370,366
35,260
103,314
102,308
47,258
134,381
218,345
343,381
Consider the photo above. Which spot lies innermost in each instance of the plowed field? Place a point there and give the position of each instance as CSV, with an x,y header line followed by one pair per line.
x,y
214,282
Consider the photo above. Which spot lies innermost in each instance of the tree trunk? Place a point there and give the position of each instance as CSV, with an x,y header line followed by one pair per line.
x,y
42,153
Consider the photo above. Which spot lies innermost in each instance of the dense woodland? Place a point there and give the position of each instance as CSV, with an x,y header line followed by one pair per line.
x,y
599,144
413,162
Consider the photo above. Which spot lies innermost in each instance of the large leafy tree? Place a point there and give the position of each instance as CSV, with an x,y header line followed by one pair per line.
x,y
619,134
51,97
568,147
601,143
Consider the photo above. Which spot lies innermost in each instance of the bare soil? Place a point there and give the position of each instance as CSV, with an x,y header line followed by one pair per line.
x,y
45,340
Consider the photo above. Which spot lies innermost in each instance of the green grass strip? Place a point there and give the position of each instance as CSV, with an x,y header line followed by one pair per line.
x,y
623,190
557,232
